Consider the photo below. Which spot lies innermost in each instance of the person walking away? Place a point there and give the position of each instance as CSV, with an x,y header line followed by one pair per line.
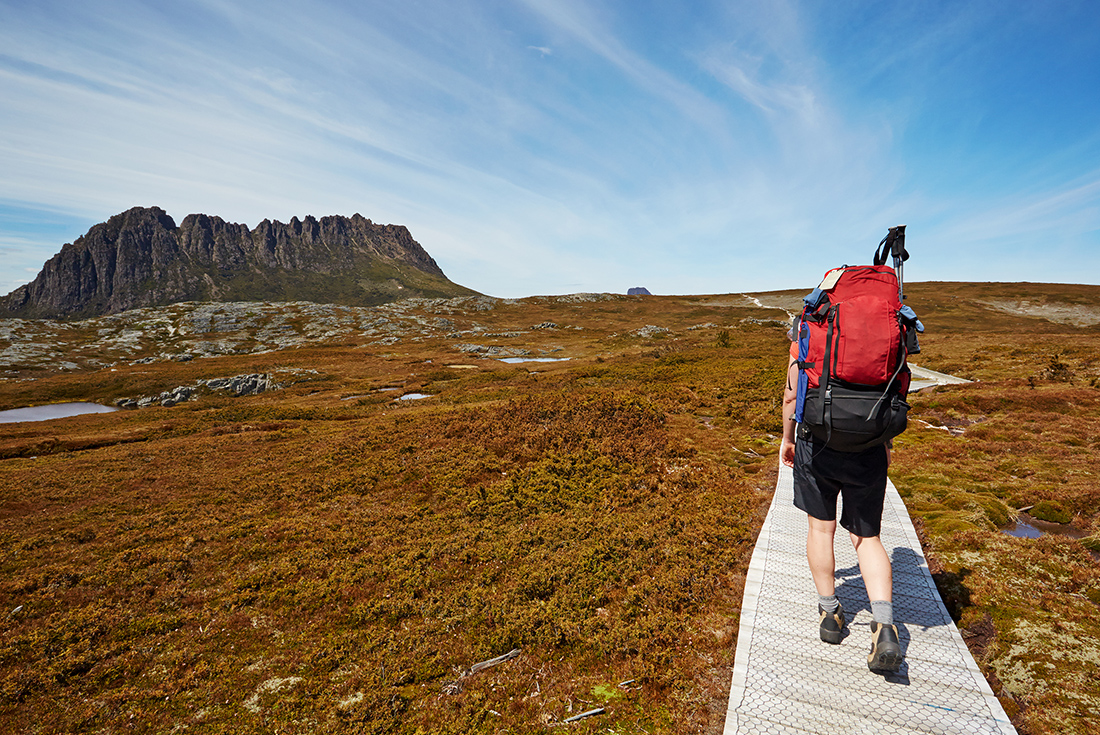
x,y
820,475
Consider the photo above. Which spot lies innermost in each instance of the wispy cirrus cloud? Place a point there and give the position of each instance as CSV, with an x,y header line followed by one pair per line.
x,y
582,22
537,143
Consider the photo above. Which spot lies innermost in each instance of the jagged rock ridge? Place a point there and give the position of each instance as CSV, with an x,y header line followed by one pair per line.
x,y
140,258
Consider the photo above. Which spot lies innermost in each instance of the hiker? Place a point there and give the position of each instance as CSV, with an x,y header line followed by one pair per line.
x,y
820,474
844,402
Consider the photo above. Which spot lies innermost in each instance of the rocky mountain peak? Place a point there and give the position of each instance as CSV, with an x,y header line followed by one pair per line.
x,y
141,258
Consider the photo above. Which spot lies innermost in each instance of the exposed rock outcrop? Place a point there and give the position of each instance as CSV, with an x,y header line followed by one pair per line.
x,y
239,385
141,258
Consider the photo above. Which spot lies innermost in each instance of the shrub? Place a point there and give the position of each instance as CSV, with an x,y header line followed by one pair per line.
x,y
1057,370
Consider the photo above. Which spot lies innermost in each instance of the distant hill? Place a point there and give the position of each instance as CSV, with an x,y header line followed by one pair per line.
x,y
141,258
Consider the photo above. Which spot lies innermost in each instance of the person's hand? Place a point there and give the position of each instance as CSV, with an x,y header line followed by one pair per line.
x,y
786,452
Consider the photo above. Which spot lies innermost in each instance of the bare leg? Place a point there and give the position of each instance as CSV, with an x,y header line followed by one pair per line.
x,y
874,565
819,552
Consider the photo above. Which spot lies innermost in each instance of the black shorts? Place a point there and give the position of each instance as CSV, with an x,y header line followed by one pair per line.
x,y
820,474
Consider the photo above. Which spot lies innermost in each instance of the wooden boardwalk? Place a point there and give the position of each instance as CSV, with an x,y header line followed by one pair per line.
x,y
786,680
923,378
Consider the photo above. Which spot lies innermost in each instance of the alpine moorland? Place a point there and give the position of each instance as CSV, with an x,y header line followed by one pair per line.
x,y
324,518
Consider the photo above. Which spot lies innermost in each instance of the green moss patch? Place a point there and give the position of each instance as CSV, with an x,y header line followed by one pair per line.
x,y
1051,510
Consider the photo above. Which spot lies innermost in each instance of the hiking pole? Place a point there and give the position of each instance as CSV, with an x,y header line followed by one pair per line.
x,y
900,256
893,245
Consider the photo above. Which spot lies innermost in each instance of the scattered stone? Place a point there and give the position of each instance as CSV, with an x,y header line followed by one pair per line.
x,y
492,350
650,330
581,298
239,385
545,325
766,322
481,303
243,385
189,330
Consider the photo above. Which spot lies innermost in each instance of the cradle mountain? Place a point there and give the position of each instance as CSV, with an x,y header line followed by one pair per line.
x,y
140,258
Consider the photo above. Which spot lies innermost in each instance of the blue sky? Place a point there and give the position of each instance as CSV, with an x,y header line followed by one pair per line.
x,y
541,147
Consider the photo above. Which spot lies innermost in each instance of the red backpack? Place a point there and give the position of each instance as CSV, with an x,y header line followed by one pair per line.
x,y
853,336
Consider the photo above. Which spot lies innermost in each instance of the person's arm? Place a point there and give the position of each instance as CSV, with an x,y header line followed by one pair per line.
x,y
790,396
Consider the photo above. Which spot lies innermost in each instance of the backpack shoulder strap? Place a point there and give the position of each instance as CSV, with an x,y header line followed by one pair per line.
x,y
826,367
803,339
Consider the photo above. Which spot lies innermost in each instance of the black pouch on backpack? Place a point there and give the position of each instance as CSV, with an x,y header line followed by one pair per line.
x,y
857,417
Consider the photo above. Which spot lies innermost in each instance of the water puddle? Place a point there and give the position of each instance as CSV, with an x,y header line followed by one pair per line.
x,y
533,359
414,396
1022,529
1030,527
52,411
1027,526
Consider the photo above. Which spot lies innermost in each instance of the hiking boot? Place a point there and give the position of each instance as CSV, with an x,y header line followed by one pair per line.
x,y
832,623
885,652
